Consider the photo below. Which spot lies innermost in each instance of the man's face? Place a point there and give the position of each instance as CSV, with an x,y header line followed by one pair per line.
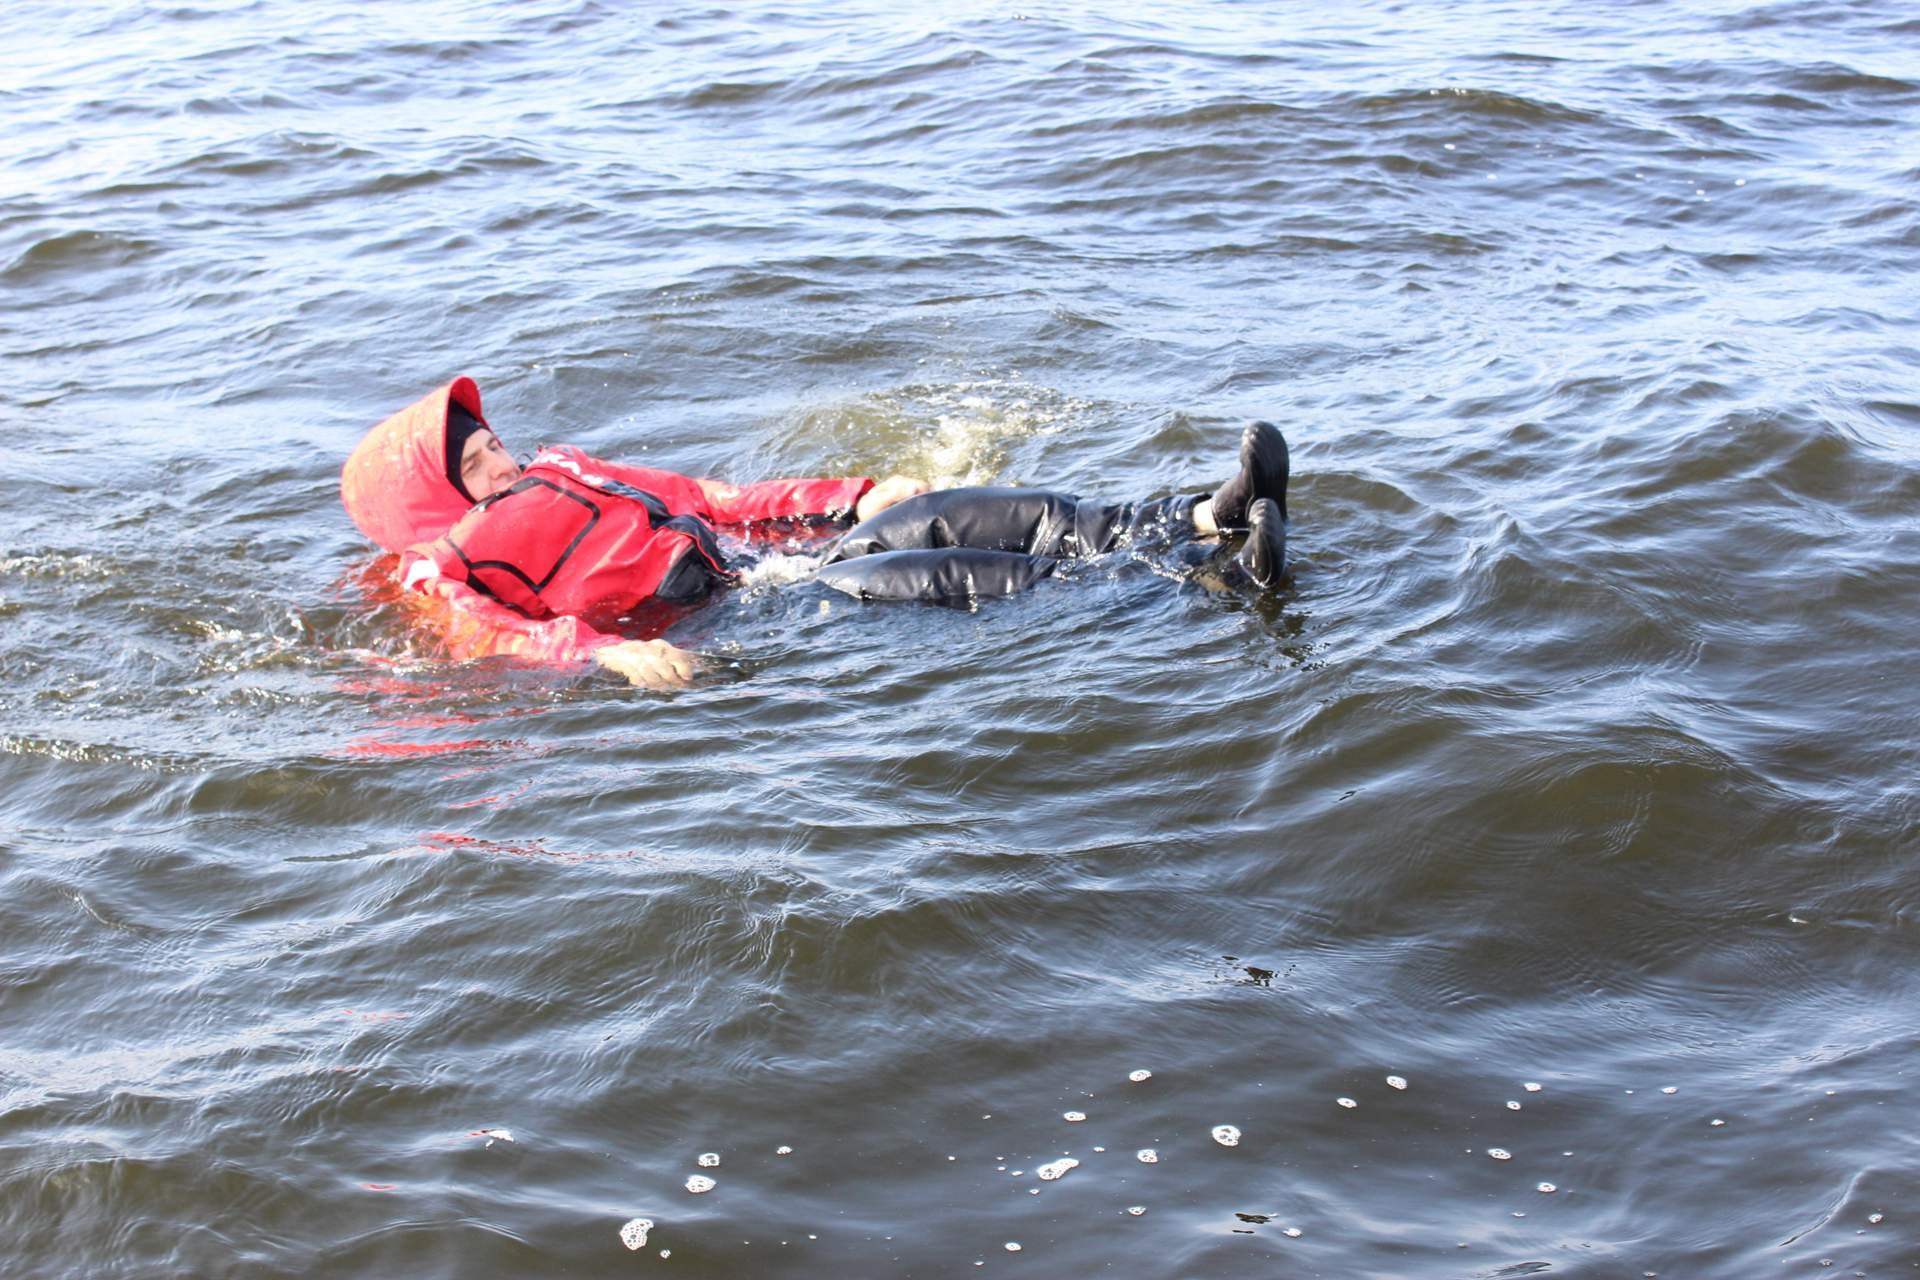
x,y
485,465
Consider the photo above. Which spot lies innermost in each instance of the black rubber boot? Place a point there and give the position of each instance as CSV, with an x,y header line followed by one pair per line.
x,y
1265,555
1263,474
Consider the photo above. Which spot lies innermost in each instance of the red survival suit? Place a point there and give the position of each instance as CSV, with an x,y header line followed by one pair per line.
x,y
543,568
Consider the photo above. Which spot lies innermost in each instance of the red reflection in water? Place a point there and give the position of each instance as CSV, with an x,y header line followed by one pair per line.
x,y
410,750
402,693
432,720
488,801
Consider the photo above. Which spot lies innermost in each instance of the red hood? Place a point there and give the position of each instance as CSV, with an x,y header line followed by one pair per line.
x,y
395,482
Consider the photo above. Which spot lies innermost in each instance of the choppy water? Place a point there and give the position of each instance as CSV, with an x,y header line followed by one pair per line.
x,y
1580,755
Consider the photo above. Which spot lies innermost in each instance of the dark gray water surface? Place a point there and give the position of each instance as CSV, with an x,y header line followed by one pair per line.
x,y
1580,753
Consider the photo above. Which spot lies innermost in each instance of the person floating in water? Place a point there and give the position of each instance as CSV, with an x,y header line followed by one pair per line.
x,y
550,561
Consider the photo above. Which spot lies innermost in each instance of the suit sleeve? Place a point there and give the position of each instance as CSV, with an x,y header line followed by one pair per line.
x,y
730,504
783,499
473,626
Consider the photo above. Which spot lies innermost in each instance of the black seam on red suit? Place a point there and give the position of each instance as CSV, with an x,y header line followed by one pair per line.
x,y
693,526
521,486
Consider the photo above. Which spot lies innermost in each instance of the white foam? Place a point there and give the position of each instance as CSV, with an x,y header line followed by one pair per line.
x,y
1147,1155
1396,1082
1500,1153
777,570
1056,1169
1226,1135
1138,1076
699,1184
634,1233
709,1160
1074,1117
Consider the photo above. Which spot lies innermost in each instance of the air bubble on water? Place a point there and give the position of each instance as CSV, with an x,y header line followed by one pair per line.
x,y
709,1160
1531,1086
1226,1135
1500,1153
787,1151
1013,1246
1138,1076
1074,1117
1348,1103
1135,1210
1449,146
1293,1232
1739,182
1099,1148
1396,1082
1546,1188
1512,1106
699,1184
634,1233
1017,1173
1876,1218
1055,1169
1716,1123
1519,1213
1669,1089
666,1253
1147,1155
1034,1192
